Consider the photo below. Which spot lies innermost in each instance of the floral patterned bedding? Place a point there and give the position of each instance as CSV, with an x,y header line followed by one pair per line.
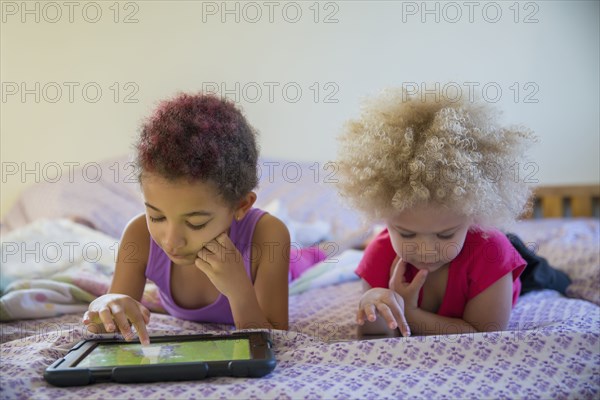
x,y
550,350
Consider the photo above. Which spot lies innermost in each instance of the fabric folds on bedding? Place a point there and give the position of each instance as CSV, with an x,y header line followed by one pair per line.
x,y
550,349
56,266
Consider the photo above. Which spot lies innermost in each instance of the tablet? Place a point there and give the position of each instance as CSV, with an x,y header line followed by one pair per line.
x,y
167,358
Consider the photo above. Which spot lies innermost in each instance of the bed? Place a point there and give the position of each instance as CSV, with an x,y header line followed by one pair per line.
x,y
550,350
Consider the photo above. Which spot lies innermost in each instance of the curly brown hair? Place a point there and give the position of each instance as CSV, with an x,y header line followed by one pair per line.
x,y
405,150
200,137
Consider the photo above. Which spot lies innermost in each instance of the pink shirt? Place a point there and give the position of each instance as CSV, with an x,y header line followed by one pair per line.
x,y
481,262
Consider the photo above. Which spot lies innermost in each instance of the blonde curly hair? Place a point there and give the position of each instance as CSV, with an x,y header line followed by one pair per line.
x,y
405,151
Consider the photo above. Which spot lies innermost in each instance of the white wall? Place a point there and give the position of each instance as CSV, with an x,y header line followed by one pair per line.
x,y
548,50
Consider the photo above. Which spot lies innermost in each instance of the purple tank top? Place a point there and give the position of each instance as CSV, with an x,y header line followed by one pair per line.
x,y
158,270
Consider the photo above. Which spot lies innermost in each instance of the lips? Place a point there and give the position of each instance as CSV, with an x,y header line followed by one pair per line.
x,y
177,255
425,265
420,261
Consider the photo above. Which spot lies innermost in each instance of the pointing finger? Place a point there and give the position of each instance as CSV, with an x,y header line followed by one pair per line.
x,y
139,322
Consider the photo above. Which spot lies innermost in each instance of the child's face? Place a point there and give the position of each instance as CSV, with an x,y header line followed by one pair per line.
x,y
183,217
428,237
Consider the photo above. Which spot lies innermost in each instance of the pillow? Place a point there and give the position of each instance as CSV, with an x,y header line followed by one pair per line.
x,y
106,196
307,192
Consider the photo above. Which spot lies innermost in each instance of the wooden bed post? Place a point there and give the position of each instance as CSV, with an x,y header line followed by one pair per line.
x,y
565,202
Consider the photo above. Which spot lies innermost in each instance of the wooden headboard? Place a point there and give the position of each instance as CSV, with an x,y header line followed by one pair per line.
x,y
565,202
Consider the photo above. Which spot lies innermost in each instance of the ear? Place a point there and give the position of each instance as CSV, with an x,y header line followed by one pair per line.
x,y
244,205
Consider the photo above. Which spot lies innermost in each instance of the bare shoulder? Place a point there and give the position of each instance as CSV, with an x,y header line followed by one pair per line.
x,y
132,258
269,230
271,237
135,242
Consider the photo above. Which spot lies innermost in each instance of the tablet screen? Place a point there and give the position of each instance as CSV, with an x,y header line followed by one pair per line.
x,y
117,354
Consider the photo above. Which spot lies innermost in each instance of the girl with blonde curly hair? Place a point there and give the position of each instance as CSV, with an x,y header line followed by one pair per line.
x,y
439,172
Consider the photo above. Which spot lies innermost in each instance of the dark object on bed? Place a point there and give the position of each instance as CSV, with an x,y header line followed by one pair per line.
x,y
538,274
166,358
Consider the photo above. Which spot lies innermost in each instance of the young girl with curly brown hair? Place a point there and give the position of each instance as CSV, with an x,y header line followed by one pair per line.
x,y
214,257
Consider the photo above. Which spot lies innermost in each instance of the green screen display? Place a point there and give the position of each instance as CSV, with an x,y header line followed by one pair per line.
x,y
166,352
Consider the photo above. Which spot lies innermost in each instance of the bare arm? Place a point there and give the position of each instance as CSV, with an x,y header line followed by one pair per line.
x,y
267,304
489,311
132,258
120,306
263,305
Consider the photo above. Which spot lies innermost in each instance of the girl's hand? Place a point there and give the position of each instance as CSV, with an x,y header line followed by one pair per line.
x,y
388,303
115,311
408,291
221,261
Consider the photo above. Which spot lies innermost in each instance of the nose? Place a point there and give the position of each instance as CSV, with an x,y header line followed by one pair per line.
x,y
173,238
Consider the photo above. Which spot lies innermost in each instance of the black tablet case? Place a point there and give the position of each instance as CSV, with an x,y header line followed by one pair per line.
x,y
61,374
